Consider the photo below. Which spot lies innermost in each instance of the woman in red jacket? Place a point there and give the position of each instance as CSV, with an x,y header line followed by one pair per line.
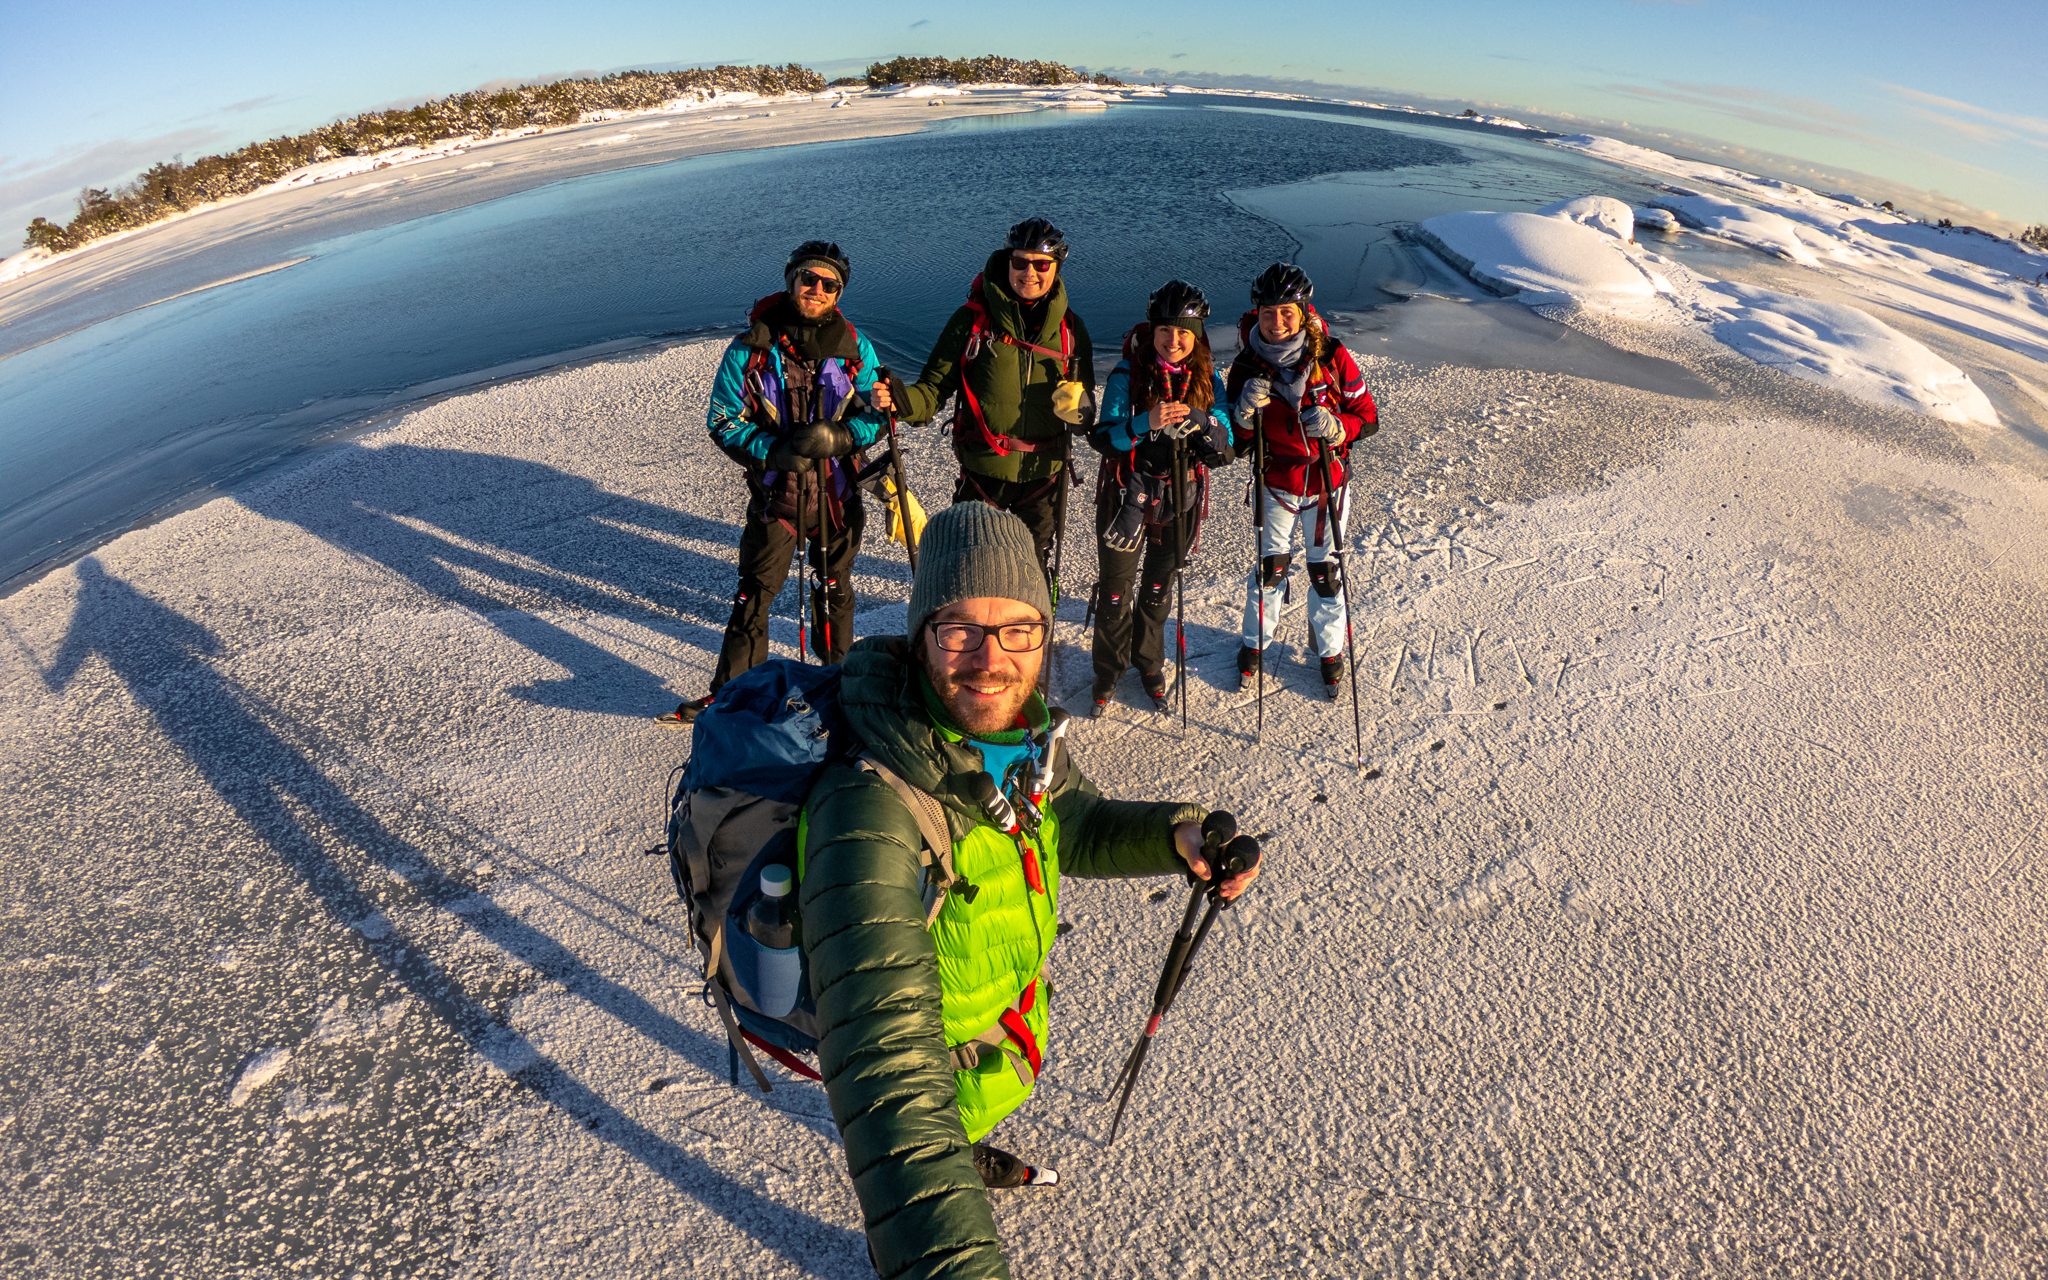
x,y
1296,392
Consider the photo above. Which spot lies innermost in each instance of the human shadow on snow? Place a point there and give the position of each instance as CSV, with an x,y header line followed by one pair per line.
x,y
518,542
239,745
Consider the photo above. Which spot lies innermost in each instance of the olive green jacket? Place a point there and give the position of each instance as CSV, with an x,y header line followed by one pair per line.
x,y
876,975
1012,384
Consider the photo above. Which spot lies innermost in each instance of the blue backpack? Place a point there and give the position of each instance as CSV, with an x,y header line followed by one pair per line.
x,y
754,754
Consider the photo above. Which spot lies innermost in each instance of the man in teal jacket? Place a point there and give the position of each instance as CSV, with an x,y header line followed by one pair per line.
x,y
795,401
934,1023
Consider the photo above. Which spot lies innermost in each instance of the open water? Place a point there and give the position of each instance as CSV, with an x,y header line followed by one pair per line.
x,y
103,426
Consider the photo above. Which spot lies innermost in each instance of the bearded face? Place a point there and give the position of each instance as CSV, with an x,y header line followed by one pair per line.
x,y
986,686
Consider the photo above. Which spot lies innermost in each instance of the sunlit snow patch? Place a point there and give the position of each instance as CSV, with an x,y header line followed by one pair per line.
x,y
1841,346
262,1069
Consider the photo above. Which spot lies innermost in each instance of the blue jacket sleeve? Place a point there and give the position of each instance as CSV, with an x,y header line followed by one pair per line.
x,y
1219,418
1114,422
727,420
868,425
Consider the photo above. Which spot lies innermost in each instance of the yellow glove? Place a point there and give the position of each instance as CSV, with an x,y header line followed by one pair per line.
x,y
1067,401
897,505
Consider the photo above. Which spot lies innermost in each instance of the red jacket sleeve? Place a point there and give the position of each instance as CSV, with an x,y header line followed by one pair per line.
x,y
1354,403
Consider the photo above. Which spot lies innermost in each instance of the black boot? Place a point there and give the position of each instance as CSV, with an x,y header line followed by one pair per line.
x,y
1248,662
998,1168
685,713
1333,675
1155,689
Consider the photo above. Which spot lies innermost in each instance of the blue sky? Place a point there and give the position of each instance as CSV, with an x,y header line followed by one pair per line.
x,y
1950,98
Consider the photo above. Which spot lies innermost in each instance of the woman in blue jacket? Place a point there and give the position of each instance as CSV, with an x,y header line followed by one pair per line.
x,y
1164,400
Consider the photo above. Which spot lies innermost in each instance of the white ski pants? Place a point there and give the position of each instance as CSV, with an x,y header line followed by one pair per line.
x,y
1283,512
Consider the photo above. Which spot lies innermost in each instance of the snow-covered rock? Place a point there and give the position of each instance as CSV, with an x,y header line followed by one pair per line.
x,y
1539,259
931,91
1757,228
1657,219
1558,256
1602,213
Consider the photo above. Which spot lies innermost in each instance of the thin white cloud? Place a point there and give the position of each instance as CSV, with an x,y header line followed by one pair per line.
x,y
1758,106
1977,121
48,186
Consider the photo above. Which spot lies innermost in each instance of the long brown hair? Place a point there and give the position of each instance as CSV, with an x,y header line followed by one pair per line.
x,y
1148,382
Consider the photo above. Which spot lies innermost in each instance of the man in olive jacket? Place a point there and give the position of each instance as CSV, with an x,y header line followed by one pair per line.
x,y
1021,364
933,1026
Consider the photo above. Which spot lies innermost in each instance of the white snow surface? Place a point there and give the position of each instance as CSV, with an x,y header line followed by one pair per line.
x,y
1687,920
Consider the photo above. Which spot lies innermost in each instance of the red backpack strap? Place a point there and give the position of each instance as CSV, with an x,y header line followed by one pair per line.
x,y
977,341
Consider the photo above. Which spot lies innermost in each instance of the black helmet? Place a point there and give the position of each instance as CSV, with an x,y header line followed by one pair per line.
x,y
1180,304
1036,235
823,252
1280,283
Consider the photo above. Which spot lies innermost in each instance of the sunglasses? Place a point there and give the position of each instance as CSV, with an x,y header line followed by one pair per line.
x,y
1036,265
812,280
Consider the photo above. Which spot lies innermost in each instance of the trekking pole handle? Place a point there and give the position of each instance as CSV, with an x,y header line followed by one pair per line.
x,y
1239,856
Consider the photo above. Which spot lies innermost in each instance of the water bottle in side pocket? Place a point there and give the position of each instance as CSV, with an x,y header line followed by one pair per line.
x,y
772,923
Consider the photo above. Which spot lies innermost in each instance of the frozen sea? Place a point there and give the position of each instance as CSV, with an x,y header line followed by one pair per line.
x,y
105,418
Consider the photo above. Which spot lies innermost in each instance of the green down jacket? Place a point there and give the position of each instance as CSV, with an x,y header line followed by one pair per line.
x,y
888,990
1012,384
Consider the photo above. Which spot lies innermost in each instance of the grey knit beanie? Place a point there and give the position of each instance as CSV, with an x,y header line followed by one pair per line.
x,y
970,550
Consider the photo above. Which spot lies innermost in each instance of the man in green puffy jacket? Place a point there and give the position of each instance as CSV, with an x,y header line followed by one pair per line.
x,y
934,1022
1020,363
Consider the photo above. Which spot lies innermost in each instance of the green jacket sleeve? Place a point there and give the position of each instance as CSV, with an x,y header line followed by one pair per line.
x,y
882,1049
941,376
1107,839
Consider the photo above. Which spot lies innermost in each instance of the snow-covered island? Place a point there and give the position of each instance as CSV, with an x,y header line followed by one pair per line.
x,y
1684,919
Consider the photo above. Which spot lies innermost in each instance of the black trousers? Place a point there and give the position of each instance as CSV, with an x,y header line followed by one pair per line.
x,y
766,545
1118,613
1035,502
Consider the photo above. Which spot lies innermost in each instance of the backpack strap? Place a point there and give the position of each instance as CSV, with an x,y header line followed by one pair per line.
x,y
937,855
978,341
715,988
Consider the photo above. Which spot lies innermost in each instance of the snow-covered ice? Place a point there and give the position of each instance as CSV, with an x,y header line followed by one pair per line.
x,y
1692,862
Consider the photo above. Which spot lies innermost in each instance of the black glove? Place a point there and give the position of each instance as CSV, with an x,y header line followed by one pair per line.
x,y
1154,456
781,459
819,440
1213,458
899,396
1126,531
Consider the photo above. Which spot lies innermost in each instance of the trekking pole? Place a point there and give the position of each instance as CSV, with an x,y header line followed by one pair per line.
x,y
1063,480
803,569
1180,577
820,619
1344,576
902,485
1259,561
1228,854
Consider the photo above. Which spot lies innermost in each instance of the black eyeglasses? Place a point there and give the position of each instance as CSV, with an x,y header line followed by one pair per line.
x,y
1018,262
811,279
967,637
